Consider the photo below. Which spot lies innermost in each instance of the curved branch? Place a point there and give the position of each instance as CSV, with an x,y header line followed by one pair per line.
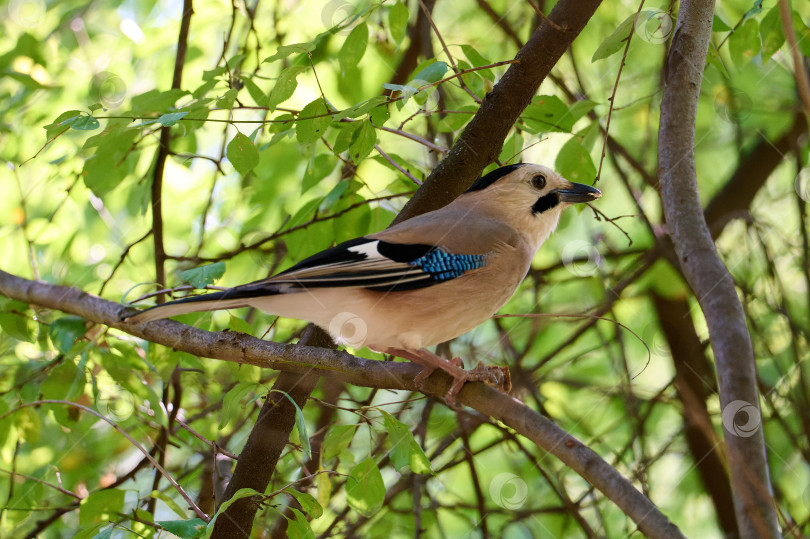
x,y
705,272
241,348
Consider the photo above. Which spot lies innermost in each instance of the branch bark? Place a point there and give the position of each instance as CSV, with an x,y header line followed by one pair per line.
x,y
482,139
705,272
343,367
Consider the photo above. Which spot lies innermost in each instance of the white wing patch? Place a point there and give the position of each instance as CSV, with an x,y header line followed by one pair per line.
x,y
368,249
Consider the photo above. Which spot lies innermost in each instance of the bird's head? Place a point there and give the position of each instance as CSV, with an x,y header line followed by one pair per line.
x,y
530,197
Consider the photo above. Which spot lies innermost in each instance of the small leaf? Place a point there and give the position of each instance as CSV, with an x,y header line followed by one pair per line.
x,y
204,275
432,73
477,60
744,43
56,127
285,50
318,169
574,162
363,142
185,529
308,502
615,41
165,498
359,109
398,21
354,48
718,25
64,331
298,527
94,107
255,92
773,34
101,506
171,118
242,154
232,403
300,424
239,325
82,123
405,451
548,113
285,86
365,490
227,99
313,122
337,440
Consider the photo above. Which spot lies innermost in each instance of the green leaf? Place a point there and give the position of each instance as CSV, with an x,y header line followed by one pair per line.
x,y
238,324
185,529
719,25
171,118
82,123
64,331
156,101
574,162
615,41
405,451
317,169
353,48
56,127
477,60
65,381
773,34
337,440
379,115
363,142
285,50
227,99
311,129
432,73
548,113
17,324
300,424
398,22
308,502
744,43
256,93
285,86
232,403
170,503
104,170
298,527
101,506
203,275
365,490
242,154
359,109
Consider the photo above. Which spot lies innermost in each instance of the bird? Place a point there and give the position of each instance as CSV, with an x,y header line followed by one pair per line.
x,y
420,282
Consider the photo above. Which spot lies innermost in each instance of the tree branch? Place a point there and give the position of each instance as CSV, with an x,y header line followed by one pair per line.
x,y
706,274
343,367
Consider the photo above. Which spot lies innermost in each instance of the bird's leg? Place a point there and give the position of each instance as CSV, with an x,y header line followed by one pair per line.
x,y
495,376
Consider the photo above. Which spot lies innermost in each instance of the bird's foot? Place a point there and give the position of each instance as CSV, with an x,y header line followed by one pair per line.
x,y
495,376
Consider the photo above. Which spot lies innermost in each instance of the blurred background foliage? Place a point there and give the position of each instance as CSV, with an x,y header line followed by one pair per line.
x,y
293,129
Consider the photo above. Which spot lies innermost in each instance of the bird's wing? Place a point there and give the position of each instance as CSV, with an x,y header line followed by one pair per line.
x,y
376,265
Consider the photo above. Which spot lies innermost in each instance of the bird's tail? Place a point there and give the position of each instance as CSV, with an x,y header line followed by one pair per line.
x,y
227,299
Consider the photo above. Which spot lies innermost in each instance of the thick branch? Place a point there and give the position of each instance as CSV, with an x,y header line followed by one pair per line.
x,y
241,348
482,139
706,274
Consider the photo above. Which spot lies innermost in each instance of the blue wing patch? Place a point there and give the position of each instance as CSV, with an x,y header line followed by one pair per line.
x,y
443,266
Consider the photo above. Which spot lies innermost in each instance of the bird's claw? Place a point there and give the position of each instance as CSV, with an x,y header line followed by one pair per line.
x,y
495,376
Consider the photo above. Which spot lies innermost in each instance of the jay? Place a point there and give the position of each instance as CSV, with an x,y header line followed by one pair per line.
x,y
421,282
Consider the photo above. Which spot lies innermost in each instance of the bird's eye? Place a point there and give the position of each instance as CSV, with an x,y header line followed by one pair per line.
x,y
539,181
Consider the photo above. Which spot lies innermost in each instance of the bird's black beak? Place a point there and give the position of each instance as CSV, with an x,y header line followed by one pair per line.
x,y
579,192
